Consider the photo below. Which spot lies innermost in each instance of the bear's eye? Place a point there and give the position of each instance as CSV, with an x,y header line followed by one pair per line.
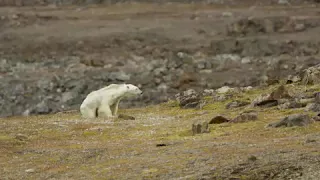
x,y
127,87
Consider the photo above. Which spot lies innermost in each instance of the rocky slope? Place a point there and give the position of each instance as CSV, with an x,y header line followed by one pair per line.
x,y
52,57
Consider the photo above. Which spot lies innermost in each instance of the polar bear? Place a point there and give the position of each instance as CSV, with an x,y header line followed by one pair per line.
x,y
105,101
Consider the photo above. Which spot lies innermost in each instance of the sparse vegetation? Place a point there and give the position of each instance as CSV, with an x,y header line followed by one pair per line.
x,y
65,146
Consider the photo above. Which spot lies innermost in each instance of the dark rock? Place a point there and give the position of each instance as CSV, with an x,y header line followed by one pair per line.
x,y
189,99
245,117
236,104
200,127
267,103
317,97
218,120
252,158
272,99
292,120
126,117
160,145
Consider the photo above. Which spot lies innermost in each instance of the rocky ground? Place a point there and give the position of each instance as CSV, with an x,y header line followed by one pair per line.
x,y
235,134
52,56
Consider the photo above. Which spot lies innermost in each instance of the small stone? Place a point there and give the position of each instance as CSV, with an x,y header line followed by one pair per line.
x,y
30,170
200,127
227,14
292,120
126,117
252,158
218,120
223,89
236,104
245,117
317,97
21,137
299,27
246,60
208,92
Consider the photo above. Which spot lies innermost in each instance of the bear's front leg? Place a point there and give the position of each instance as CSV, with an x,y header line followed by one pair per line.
x,y
116,107
87,112
104,111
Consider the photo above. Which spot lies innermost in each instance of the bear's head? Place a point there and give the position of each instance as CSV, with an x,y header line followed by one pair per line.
x,y
132,90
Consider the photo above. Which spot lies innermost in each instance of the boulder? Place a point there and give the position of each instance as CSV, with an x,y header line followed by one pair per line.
x,y
218,120
311,75
189,99
245,117
292,120
200,127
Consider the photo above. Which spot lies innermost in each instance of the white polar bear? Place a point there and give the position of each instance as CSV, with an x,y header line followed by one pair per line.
x,y
105,101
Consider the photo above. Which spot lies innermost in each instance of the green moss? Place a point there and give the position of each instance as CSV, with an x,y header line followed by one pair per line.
x,y
90,133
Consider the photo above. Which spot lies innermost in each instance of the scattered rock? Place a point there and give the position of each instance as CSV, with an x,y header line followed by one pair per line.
x,y
200,127
223,89
311,75
315,107
30,170
236,104
245,117
280,93
252,158
290,104
316,118
189,99
293,79
161,144
272,99
218,120
267,103
222,97
317,97
227,14
292,120
21,137
208,92
126,117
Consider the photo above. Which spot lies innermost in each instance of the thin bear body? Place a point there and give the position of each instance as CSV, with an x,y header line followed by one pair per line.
x,y
105,101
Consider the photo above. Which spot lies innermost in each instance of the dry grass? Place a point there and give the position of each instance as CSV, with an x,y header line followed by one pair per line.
x,y
65,146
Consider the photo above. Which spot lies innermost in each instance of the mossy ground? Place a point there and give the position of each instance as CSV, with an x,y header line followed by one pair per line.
x,y
65,146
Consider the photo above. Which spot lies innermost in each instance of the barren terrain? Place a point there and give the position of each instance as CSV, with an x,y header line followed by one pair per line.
x,y
52,56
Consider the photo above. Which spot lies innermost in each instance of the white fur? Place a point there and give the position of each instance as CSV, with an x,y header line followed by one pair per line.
x,y
105,101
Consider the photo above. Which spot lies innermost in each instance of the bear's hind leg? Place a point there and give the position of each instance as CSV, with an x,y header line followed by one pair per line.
x,y
104,112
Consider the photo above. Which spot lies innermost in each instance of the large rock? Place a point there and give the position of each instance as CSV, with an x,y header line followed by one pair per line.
x,y
245,117
272,99
311,75
218,120
200,127
189,99
292,120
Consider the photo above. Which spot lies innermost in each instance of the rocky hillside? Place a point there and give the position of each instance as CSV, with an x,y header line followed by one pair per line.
x,y
228,133
52,57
